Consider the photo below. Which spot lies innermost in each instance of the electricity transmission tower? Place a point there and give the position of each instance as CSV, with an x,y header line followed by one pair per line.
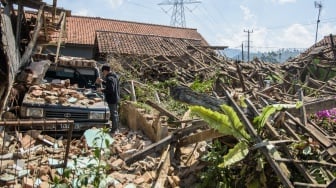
x,y
178,17
319,6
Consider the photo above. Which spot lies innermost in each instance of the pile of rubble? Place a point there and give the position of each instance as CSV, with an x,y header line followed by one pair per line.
x,y
167,154
61,93
32,159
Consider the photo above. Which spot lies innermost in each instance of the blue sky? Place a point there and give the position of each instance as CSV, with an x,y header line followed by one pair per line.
x,y
276,24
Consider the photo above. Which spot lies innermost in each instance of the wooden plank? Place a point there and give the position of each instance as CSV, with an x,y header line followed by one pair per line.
x,y
315,106
216,60
191,56
303,108
198,137
155,147
163,168
60,36
313,132
18,25
241,78
32,43
37,4
162,110
12,55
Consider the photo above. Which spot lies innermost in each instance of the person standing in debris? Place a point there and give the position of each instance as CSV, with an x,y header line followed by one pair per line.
x,y
111,91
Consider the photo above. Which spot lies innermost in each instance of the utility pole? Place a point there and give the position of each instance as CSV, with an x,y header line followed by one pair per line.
x,y
319,6
248,44
242,52
178,16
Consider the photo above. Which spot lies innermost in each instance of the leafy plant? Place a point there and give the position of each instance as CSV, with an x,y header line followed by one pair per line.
x,y
228,124
267,111
214,176
202,86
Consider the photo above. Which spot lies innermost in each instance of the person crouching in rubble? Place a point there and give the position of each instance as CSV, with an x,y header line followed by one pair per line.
x,y
111,91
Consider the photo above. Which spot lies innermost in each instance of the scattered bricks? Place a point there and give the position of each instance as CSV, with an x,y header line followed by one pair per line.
x,y
127,147
118,176
60,143
119,185
53,174
139,180
5,163
117,164
141,110
171,181
36,93
148,176
44,178
32,168
116,149
44,184
97,99
148,117
138,169
49,138
176,180
44,170
12,183
127,153
27,183
170,170
16,185
130,177
27,141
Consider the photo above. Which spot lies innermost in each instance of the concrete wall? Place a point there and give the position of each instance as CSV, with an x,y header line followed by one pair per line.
x,y
154,126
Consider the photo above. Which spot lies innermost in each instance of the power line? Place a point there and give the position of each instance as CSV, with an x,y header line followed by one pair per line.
x,y
138,4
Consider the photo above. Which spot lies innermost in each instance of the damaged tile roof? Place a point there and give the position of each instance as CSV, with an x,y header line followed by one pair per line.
x,y
81,30
140,44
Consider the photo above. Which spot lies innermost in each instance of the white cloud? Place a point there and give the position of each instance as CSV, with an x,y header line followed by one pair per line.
x,y
263,39
247,13
233,41
326,30
115,3
296,36
284,1
259,39
82,12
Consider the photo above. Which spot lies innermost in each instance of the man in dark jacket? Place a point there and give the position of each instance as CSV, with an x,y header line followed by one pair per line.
x,y
112,94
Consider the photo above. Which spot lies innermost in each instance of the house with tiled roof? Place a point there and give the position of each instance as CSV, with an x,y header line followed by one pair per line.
x,y
82,32
108,42
151,51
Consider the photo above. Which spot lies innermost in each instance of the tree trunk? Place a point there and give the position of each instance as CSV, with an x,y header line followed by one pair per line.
x,y
186,95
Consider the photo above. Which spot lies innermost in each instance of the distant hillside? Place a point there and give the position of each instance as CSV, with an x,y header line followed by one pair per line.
x,y
278,56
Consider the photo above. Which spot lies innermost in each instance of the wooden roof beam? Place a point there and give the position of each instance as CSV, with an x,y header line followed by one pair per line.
x,y
37,4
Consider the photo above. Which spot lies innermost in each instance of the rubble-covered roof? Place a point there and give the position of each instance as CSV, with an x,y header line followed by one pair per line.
x,y
81,30
139,44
